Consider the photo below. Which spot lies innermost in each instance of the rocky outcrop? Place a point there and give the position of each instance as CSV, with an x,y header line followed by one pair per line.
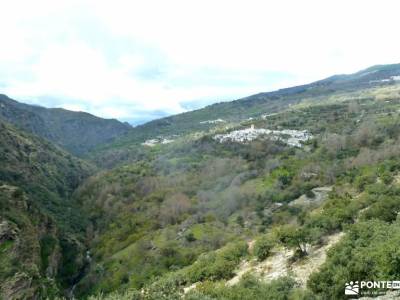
x,y
314,198
8,231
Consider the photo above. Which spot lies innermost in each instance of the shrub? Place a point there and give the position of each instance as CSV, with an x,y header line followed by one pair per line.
x,y
310,194
249,288
217,265
373,248
364,180
262,247
386,209
292,237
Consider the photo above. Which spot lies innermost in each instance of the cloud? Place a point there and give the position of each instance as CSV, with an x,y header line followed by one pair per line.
x,y
140,60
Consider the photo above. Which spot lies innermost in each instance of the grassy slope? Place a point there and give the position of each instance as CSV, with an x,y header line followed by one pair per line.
x,y
196,195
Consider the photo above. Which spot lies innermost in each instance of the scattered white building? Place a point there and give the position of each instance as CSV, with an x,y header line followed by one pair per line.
x,y
265,116
289,136
153,142
392,78
213,121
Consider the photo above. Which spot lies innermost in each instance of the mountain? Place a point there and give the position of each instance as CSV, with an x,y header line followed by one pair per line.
x,y
282,195
39,226
249,212
78,132
332,89
270,102
248,209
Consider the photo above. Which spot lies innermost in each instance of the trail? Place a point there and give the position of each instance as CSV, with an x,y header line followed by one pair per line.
x,y
278,265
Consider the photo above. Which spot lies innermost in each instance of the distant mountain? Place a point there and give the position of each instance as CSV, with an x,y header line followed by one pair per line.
x,y
78,132
257,105
269,102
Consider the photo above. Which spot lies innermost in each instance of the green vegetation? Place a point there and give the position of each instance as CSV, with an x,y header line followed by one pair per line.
x,y
239,191
262,247
78,132
36,182
369,250
364,85
174,221
357,157
43,171
250,288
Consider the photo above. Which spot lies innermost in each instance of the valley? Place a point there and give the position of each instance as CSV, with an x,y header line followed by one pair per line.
x,y
280,195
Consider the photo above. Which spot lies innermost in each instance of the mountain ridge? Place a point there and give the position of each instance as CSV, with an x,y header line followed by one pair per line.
x,y
78,132
251,107
82,133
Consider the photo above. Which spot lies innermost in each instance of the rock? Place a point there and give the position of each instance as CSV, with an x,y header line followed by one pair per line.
x,y
320,195
8,232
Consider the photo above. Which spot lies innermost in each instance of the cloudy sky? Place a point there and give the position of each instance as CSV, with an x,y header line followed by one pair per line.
x,y
139,60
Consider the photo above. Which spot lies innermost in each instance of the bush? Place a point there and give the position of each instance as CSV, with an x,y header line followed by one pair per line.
x,y
368,250
217,265
262,247
292,237
386,209
364,180
310,194
249,288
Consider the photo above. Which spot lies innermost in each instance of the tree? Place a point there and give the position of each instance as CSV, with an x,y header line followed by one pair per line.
x,y
354,107
334,143
367,133
173,208
240,221
293,237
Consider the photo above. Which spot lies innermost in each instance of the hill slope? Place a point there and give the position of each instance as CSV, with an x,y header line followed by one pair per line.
x,y
267,103
78,132
179,217
363,84
39,227
179,220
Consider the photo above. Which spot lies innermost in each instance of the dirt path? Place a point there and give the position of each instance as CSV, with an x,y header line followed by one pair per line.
x,y
277,265
317,256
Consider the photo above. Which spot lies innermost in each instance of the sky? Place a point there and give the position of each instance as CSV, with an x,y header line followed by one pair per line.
x,y
140,60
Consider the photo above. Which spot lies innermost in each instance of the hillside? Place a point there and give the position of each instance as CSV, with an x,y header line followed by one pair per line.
x,y
176,222
365,83
39,226
293,194
78,132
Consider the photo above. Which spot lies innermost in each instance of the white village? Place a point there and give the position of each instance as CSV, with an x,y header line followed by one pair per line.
x,y
291,137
